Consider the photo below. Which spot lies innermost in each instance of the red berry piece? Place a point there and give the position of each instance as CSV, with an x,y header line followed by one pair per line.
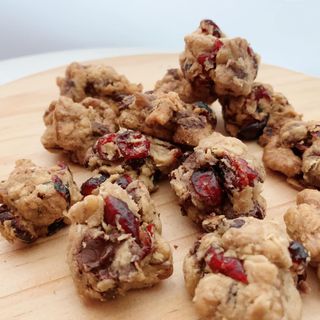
x,y
209,27
206,185
229,266
101,150
261,92
237,173
61,188
133,145
117,211
123,181
210,57
92,183
146,240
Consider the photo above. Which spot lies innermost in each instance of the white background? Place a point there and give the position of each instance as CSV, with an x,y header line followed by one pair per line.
x,y
284,32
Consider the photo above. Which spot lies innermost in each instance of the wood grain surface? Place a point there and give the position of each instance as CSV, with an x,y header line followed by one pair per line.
x,y
35,279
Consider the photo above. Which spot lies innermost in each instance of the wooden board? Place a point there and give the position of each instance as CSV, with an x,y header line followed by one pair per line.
x,y
35,280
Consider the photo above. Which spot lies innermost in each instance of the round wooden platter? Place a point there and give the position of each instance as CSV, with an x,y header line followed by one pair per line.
x,y
35,279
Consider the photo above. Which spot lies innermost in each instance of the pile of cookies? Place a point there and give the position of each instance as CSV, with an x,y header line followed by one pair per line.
x,y
242,267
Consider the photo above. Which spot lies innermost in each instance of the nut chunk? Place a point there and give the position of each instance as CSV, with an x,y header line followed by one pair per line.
x,y
34,200
130,152
243,270
97,81
165,116
116,243
295,152
303,223
174,81
228,66
220,178
260,114
74,127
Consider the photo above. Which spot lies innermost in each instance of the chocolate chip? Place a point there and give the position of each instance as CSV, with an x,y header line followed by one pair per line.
x,y
5,213
237,223
252,130
22,233
55,226
95,253
61,188
298,252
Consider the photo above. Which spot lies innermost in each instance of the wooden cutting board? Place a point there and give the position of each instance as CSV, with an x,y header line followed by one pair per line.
x,y
35,279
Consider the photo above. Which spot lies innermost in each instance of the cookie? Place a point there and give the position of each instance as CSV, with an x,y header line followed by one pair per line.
x,y
244,270
74,127
258,115
96,81
34,200
141,157
174,81
295,152
115,242
166,116
303,223
228,66
220,178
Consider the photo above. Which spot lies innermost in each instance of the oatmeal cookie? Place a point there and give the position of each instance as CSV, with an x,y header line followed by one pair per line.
x,y
74,127
130,152
97,81
244,270
228,66
174,81
115,242
303,223
295,152
166,116
260,114
220,178
34,200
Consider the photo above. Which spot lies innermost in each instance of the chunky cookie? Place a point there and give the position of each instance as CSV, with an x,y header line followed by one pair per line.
x,y
116,243
131,152
97,81
166,116
174,81
220,178
228,66
74,127
303,223
246,269
34,200
295,152
260,114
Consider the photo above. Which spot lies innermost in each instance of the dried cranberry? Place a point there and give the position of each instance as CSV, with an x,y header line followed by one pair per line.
x,y
229,266
146,240
206,185
116,210
237,173
61,188
5,213
123,181
211,56
298,252
133,145
108,138
92,183
260,92
250,51
209,27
